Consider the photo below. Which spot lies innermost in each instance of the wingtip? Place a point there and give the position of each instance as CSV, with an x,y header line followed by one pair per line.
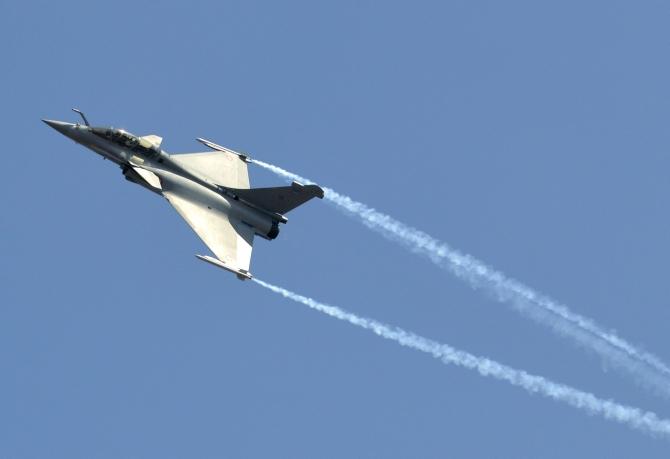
x,y
215,146
240,273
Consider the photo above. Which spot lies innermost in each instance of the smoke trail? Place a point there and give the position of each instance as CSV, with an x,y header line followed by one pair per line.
x,y
641,365
633,417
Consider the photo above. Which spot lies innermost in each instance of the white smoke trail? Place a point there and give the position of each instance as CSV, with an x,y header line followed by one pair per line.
x,y
643,366
633,417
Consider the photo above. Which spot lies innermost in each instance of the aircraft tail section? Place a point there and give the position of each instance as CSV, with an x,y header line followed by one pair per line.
x,y
279,200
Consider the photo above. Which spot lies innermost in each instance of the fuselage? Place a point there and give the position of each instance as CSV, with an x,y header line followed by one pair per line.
x,y
131,152
126,149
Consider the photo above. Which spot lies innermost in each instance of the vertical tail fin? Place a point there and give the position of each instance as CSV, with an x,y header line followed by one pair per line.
x,y
279,200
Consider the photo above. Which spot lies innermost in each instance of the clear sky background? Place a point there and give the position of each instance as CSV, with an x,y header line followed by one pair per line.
x,y
533,135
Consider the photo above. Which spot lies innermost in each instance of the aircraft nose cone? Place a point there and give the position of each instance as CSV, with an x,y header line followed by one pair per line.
x,y
60,126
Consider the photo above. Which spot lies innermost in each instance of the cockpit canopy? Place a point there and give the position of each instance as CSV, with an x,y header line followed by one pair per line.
x,y
127,140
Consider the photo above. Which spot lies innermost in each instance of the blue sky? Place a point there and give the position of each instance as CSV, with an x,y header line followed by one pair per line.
x,y
533,136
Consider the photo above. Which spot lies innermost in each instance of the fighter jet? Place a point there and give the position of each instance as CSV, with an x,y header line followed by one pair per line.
x,y
209,190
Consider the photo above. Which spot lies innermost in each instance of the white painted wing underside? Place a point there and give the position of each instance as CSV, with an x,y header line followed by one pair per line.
x,y
222,168
228,238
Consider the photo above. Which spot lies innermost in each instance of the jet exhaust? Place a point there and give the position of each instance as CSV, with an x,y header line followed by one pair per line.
x,y
644,367
645,421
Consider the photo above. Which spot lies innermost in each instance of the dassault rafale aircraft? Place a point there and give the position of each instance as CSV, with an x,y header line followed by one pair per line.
x,y
210,190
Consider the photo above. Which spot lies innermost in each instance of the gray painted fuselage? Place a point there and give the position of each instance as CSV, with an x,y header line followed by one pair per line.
x,y
198,188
